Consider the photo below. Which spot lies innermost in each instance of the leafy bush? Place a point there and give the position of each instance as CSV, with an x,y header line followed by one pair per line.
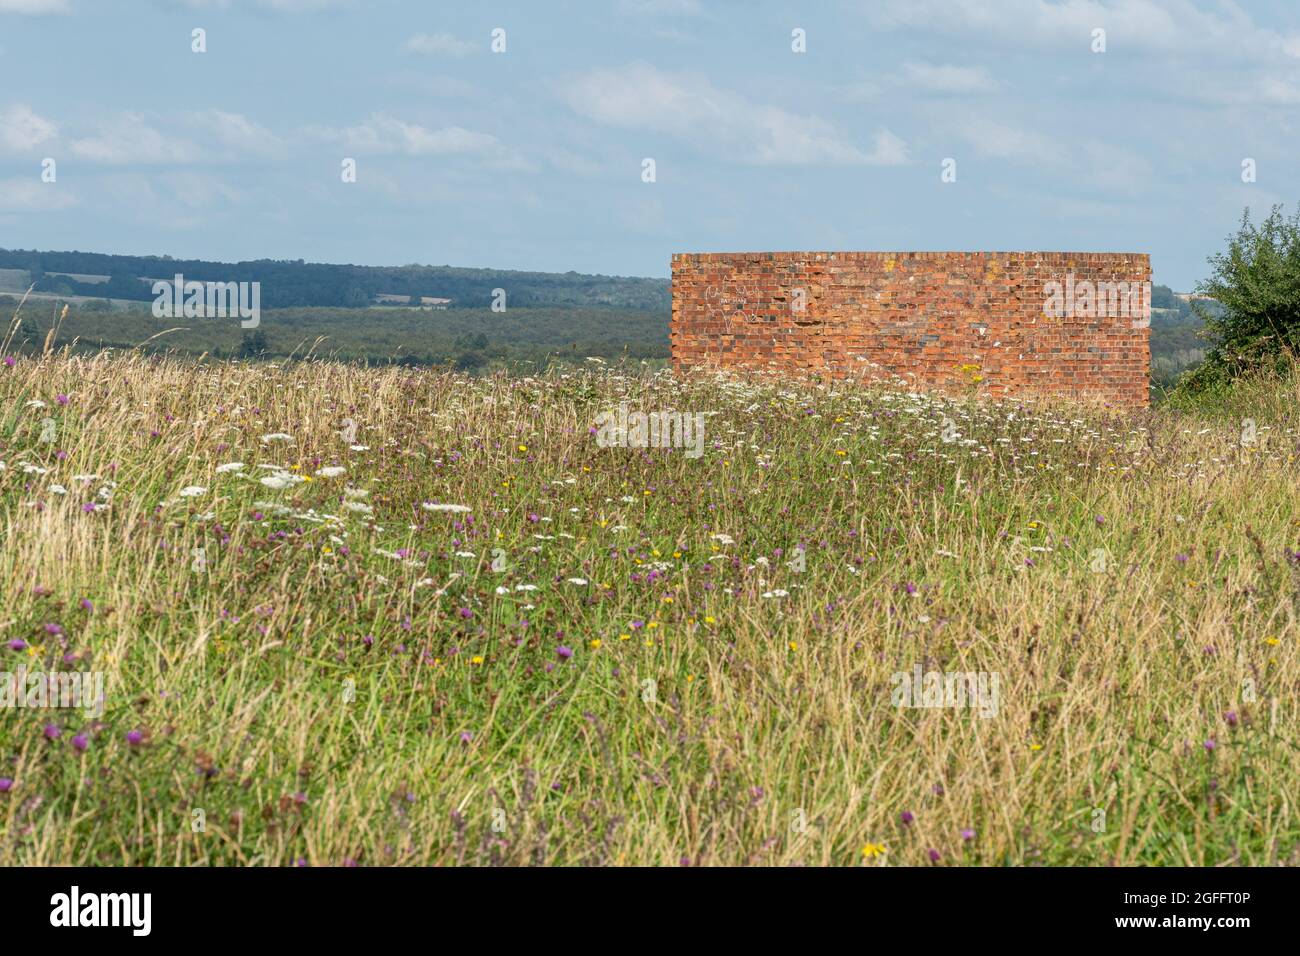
x,y
1256,284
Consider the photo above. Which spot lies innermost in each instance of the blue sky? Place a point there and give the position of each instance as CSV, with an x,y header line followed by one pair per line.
x,y
533,158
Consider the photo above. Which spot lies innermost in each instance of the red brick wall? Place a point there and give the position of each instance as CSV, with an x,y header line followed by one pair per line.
x,y
944,321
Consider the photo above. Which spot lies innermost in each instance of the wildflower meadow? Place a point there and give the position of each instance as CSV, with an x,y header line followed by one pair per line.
x,y
330,615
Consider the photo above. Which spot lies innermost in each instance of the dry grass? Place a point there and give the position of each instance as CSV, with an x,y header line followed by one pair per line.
x,y
344,677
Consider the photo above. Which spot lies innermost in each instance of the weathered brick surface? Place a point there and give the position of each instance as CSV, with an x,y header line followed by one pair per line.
x,y
943,321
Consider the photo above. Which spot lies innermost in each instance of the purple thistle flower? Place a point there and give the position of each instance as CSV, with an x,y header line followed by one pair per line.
x,y
88,507
134,737
906,817
1231,718
10,361
968,834
53,629
934,855
466,613
87,605
61,399
6,783
1210,745
52,732
17,645
565,652
80,742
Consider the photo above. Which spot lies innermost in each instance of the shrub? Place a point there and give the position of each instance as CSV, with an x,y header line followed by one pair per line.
x,y
1256,283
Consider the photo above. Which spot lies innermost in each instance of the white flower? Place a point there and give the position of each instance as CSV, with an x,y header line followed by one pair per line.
x,y
58,489
577,580
434,506
466,554
778,593
332,471
276,436
525,587
230,466
192,491
30,469
360,447
280,480
360,507
723,538
352,493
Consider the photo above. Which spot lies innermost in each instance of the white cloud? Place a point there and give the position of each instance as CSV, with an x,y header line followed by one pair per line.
x,y
21,129
128,138
640,96
383,134
942,78
209,136
999,140
439,44
33,6
1177,27
657,8
32,195
239,136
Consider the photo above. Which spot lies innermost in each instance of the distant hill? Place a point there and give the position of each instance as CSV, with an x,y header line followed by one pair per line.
x,y
363,310
295,283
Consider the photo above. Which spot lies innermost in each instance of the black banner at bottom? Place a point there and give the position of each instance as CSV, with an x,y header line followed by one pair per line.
x,y
335,906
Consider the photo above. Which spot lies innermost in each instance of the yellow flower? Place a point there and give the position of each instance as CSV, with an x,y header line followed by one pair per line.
x,y
1035,747
652,625
1272,641
689,678
709,620
595,644
873,850
677,554
625,637
476,659
794,645
523,448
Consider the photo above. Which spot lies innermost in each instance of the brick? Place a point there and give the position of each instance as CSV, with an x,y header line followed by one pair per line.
x,y
928,316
